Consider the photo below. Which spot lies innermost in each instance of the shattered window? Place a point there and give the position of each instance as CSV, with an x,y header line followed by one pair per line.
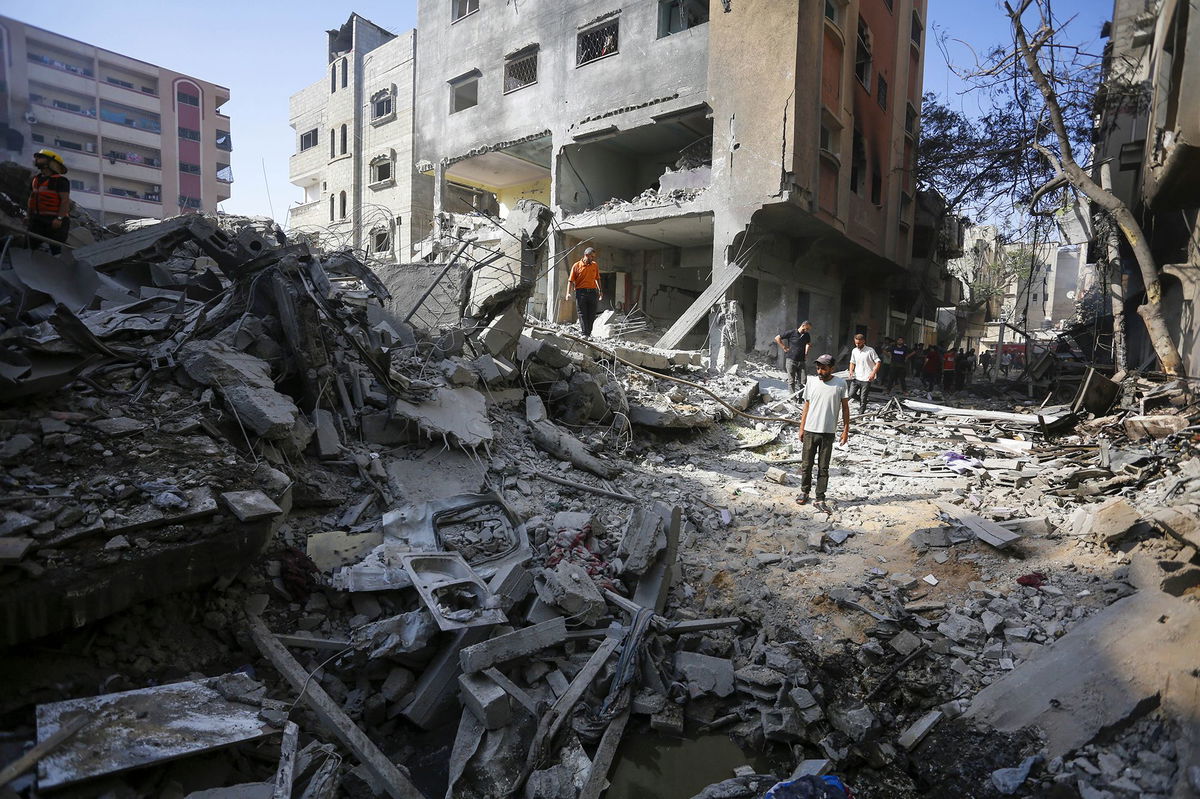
x,y
382,240
464,94
597,43
881,92
308,140
189,202
381,171
462,8
675,16
862,56
224,142
224,173
520,71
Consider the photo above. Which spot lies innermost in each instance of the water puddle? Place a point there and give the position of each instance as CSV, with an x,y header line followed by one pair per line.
x,y
650,765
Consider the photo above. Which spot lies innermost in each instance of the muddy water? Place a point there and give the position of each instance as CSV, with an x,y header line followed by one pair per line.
x,y
654,766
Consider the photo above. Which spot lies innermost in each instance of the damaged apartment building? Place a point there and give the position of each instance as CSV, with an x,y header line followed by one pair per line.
x,y
354,135
750,151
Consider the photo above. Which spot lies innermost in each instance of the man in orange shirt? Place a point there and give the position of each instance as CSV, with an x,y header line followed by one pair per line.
x,y
585,280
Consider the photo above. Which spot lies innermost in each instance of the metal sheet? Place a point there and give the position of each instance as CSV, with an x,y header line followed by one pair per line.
x,y
149,725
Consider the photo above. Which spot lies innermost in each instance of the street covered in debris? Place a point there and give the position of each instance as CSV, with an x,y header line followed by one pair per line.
x,y
485,470
262,537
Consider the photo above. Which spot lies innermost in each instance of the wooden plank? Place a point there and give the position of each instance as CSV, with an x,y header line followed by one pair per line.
x,y
287,762
30,759
394,781
597,779
699,309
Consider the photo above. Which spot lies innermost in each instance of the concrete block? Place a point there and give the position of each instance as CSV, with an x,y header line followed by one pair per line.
x,y
510,646
250,506
500,336
535,409
705,674
646,360
777,475
570,588
526,347
669,719
487,700
329,443
1112,519
919,729
1159,426
485,367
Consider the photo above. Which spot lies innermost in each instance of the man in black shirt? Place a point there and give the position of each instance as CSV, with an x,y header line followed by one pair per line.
x,y
795,345
900,354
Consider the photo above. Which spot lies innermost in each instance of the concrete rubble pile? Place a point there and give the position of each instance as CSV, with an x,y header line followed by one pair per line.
x,y
252,516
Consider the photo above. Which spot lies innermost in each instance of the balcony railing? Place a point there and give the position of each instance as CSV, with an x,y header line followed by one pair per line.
x,y
54,63
134,158
149,197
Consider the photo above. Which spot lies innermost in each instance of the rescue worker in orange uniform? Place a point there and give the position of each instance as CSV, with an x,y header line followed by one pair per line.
x,y
49,199
585,280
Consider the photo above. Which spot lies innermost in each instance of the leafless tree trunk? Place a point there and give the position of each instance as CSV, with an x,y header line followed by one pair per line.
x,y
1067,168
1114,281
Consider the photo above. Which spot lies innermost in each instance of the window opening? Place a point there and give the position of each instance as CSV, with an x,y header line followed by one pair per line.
x,y
916,29
676,16
862,55
191,169
881,92
342,205
342,140
601,41
345,71
831,11
464,94
520,71
308,140
187,99
461,8
382,240
332,143
189,133
910,120
331,208
333,78
381,171
381,104
224,142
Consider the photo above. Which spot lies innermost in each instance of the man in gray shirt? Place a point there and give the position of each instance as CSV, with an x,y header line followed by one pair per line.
x,y
823,396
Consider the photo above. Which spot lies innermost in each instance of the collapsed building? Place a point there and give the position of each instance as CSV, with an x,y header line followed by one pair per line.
x,y
265,532
750,153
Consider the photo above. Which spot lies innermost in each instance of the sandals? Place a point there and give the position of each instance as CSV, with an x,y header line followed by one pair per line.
x,y
802,499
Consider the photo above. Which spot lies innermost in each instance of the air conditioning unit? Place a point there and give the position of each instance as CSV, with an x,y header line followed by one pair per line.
x,y
156,189
89,146
30,118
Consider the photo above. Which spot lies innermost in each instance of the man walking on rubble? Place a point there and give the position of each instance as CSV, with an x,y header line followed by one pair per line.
x,y
864,368
899,370
795,345
585,281
49,200
823,396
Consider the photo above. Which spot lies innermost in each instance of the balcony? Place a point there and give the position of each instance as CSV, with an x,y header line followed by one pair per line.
x,y
308,214
133,98
306,163
136,136
134,206
63,118
129,170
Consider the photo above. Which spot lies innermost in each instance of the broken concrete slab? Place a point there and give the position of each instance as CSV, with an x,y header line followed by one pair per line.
x,y
329,443
180,718
1112,519
1107,669
250,506
244,382
337,548
458,414
705,674
1157,426
570,588
518,643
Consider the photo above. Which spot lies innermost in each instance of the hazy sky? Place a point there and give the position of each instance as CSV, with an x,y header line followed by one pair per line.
x,y
265,52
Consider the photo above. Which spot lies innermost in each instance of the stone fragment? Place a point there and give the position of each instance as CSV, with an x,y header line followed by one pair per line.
x,y
487,700
1112,519
1157,426
329,443
705,674
249,506
570,588
904,642
919,729
854,720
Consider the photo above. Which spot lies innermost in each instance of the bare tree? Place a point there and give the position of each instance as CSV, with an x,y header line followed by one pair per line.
x,y
1037,58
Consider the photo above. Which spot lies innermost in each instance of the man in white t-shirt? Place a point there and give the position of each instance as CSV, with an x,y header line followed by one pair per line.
x,y
823,396
864,366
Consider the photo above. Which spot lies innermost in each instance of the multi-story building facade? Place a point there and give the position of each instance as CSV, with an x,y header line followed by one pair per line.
x,y
756,150
354,158
139,140
1149,153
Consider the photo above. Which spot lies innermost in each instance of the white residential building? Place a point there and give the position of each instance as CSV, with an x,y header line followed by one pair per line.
x,y
354,159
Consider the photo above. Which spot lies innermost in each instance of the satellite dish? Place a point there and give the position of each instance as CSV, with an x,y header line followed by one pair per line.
x,y
1070,295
